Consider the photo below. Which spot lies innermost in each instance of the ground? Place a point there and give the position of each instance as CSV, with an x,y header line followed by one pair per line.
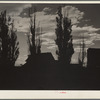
x,y
50,78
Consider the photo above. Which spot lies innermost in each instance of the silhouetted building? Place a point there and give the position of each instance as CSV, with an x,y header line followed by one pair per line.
x,y
38,59
45,58
93,57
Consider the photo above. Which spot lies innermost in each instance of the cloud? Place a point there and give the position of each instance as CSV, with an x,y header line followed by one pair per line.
x,y
47,22
22,24
17,9
47,41
77,49
89,29
90,35
73,13
45,18
88,32
97,37
14,10
47,10
52,47
50,35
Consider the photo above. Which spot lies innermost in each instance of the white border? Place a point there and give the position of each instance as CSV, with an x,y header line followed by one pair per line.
x,y
55,2
56,94
49,94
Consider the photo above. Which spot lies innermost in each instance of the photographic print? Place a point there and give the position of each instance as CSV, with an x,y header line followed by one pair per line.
x,y
49,46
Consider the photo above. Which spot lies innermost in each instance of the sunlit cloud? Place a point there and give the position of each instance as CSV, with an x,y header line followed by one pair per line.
x,y
73,13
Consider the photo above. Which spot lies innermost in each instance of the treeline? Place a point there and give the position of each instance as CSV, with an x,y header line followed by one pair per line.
x,y
9,46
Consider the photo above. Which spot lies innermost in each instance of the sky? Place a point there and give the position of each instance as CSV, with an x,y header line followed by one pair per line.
x,y
85,20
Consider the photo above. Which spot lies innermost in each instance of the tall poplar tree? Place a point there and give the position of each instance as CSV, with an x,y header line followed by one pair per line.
x,y
64,38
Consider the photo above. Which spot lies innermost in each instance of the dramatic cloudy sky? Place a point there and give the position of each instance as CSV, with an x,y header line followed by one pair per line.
x,y
85,20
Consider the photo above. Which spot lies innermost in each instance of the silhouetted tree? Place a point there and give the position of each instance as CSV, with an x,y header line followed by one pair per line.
x,y
38,47
64,38
38,40
31,40
9,50
82,53
34,40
